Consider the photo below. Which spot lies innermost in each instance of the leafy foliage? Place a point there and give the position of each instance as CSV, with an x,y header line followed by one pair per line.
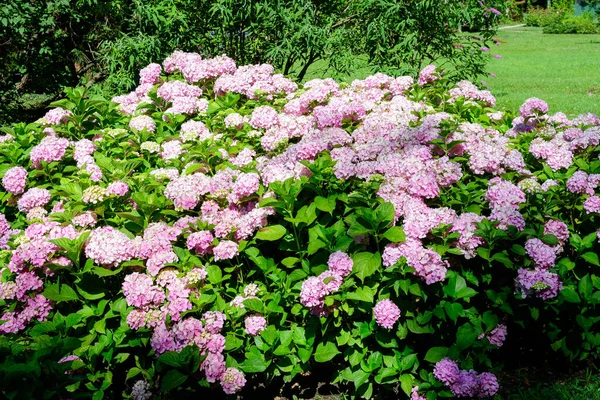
x,y
50,45
314,211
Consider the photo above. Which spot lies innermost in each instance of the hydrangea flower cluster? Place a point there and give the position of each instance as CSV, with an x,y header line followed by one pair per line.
x,y
373,130
465,383
386,313
255,324
315,288
15,180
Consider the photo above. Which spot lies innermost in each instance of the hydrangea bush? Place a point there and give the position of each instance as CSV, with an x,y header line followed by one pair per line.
x,y
221,226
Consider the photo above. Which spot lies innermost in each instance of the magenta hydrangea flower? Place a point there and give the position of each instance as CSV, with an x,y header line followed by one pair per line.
x,y
541,283
213,366
232,380
225,250
255,324
533,106
427,75
558,229
446,371
142,122
313,291
117,188
488,385
592,204
498,335
386,313
15,180
34,197
542,254
340,263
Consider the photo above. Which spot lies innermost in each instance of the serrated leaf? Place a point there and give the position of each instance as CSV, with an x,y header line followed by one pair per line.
x,y
436,354
591,257
570,295
406,383
395,234
326,352
170,358
59,293
365,264
171,380
271,233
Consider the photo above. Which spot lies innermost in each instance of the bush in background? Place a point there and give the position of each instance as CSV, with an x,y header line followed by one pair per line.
x,y
47,45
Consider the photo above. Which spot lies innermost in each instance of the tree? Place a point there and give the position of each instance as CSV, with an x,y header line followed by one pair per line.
x,y
47,45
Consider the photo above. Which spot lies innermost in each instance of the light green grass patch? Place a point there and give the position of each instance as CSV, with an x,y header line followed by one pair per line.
x,y
560,69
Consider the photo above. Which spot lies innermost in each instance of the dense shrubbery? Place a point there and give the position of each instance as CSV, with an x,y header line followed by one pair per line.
x,y
47,45
220,227
562,20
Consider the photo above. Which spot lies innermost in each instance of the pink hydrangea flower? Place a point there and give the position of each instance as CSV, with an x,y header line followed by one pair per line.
x,y
34,197
340,263
428,75
57,116
232,380
142,122
255,324
386,313
225,250
117,188
15,180
542,254
150,74
108,247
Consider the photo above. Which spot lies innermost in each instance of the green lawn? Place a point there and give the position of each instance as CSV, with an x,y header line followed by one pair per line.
x,y
559,69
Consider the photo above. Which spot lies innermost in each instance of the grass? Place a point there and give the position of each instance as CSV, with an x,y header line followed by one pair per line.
x,y
560,69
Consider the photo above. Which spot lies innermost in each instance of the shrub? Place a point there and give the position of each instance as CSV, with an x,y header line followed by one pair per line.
x,y
237,229
50,45
582,24
541,17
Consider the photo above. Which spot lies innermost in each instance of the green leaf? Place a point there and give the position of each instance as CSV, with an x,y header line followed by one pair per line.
x,y
406,383
254,363
592,258
170,358
325,204
408,361
550,239
414,327
271,233
365,264
585,287
570,295
435,354
326,352
171,380
466,336
395,234
385,214
103,272
453,310
362,294
254,305
59,293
